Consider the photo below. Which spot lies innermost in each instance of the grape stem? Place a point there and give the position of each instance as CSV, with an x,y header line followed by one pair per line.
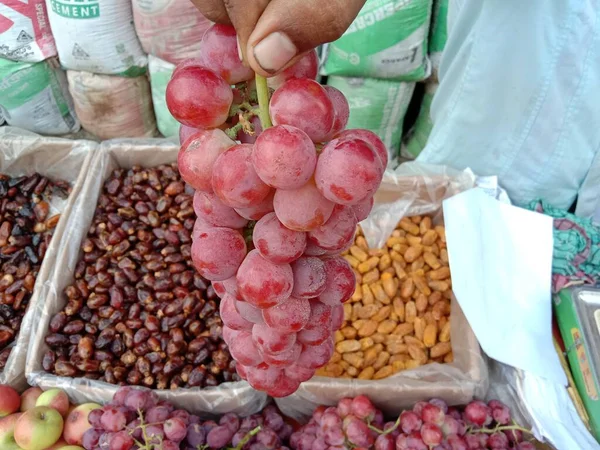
x,y
504,428
262,90
247,438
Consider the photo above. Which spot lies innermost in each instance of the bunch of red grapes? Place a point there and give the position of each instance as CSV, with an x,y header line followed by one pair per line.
x,y
275,211
356,423
135,419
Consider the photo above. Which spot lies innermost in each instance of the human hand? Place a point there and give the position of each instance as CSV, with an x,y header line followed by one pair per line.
x,y
274,34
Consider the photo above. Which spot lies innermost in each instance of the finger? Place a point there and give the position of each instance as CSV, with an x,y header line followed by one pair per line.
x,y
289,28
213,10
244,15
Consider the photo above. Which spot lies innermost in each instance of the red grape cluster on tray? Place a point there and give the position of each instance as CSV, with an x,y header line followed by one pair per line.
x,y
356,423
276,210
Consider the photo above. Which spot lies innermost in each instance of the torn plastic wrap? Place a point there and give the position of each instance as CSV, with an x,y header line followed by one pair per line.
x,y
23,153
237,397
413,189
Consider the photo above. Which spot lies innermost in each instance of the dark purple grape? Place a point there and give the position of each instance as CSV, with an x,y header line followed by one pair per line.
x,y
134,429
273,420
175,429
231,421
157,414
90,438
94,418
121,441
181,414
113,420
196,435
268,438
219,436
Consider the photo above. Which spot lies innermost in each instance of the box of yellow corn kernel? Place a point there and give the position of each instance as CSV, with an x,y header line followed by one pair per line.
x,y
404,338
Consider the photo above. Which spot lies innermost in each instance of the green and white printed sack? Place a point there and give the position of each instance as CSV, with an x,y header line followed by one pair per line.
x,y
35,97
377,105
160,75
97,36
388,39
439,33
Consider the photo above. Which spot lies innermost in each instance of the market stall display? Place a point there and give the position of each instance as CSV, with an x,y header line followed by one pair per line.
x,y
34,96
112,107
147,319
136,418
35,178
398,316
97,37
387,40
25,33
377,105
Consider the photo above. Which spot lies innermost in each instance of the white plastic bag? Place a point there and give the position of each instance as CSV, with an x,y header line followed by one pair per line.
x,y
377,105
169,29
111,107
160,75
236,397
24,31
22,153
34,96
97,36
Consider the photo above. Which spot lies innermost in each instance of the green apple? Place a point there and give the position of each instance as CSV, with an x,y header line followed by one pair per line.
x,y
62,445
38,428
77,423
7,432
54,398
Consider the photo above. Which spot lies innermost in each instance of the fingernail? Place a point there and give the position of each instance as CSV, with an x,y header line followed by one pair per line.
x,y
240,55
274,51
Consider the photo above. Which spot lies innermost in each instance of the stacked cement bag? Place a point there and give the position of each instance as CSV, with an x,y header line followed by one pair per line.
x,y
97,36
160,75
169,29
25,34
388,39
377,105
34,96
33,90
113,107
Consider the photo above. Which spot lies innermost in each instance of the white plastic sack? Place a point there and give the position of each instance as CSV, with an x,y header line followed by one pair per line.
x,y
237,397
169,29
111,107
413,189
160,75
34,96
388,39
24,31
97,36
377,105
22,153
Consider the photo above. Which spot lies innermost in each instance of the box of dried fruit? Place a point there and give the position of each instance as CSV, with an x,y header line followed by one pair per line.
x,y
36,176
124,304
404,338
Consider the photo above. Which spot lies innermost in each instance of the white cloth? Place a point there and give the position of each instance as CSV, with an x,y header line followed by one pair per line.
x,y
519,83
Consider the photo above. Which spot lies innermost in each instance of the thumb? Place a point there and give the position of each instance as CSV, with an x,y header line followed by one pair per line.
x,y
287,29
